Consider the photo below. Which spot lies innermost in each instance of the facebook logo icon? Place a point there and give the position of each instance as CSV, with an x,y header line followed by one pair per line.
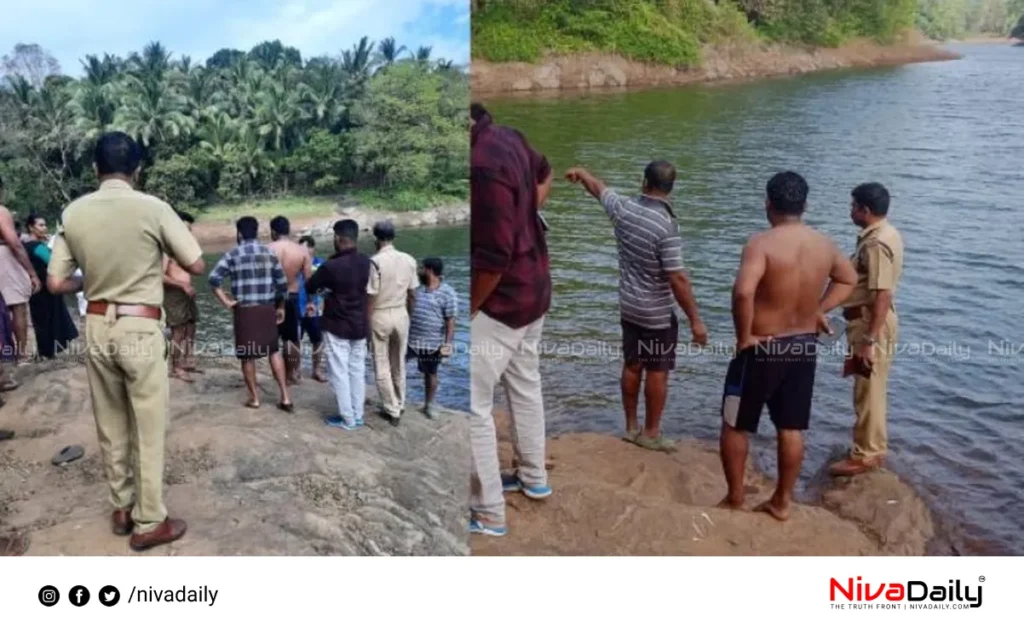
x,y
79,596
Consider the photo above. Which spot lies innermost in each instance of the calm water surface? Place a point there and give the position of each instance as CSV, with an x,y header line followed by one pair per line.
x,y
946,138
450,244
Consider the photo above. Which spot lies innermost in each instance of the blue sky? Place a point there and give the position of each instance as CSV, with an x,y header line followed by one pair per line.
x,y
70,29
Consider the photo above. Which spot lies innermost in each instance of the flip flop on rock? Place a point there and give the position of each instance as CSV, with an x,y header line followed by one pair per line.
x,y
6,435
660,443
9,385
68,454
287,407
252,405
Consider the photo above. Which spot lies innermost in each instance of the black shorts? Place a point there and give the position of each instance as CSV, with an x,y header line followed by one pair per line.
x,y
426,362
288,329
780,374
655,350
311,327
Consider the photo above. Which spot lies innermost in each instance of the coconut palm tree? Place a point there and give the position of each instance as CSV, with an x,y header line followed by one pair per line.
x,y
422,53
152,111
388,52
358,60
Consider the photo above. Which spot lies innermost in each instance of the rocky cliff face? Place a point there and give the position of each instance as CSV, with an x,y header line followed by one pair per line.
x,y
248,482
594,71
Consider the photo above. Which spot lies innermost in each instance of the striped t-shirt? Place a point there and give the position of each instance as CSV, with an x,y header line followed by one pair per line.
x,y
649,249
427,325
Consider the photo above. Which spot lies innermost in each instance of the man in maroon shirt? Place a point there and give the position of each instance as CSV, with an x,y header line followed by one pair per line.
x,y
511,293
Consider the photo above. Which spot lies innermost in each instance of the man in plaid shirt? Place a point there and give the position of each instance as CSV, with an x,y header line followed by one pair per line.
x,y
259,288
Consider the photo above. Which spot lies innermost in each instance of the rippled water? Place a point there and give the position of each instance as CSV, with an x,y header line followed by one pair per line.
x,y
947,139
450,244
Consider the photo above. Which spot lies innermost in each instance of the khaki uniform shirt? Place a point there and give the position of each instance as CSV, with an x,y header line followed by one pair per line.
x,y
118,237
878,261
392,278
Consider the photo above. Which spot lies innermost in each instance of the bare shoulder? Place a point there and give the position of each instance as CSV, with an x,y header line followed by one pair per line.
x,y
5,213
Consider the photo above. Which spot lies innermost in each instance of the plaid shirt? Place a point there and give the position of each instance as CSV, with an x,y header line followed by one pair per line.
x,y
257,278
506,233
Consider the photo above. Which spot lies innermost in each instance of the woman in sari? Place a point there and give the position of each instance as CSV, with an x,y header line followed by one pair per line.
x,y
53,325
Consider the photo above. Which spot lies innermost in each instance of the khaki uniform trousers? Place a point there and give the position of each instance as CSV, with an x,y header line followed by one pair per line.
x,y
870,432
127,369
390,329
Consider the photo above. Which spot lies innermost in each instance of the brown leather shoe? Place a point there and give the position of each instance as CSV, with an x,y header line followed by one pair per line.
x,y
121,522
851,467
167,532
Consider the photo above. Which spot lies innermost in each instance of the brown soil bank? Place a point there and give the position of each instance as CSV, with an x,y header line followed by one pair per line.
x,y
248,482
721,62
612,498
221,233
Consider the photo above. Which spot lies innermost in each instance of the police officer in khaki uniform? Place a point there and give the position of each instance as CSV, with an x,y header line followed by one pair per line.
x,y
392,290
871,329
118,237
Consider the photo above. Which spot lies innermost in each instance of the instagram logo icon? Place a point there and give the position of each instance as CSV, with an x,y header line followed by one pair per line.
x,y
49,596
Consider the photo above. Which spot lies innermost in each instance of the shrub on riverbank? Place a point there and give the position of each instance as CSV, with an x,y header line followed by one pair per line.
x,y
672,31
254,125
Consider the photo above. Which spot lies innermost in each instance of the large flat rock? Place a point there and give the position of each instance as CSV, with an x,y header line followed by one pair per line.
x,y
613,498
248,482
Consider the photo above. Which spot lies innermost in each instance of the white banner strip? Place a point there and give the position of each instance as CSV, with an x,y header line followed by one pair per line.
x,y
491,595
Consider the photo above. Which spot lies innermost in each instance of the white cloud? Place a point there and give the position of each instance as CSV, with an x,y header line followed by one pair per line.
x,y
71,29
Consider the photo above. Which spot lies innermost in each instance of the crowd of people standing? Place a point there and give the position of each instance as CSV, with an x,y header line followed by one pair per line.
x,y
279,291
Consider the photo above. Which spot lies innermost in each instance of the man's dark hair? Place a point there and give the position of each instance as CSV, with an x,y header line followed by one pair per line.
x,y
872,196
660,176
477,111
308,241
787,193
117,153
248,227
186,217
347,229
280,225
384,231
435,265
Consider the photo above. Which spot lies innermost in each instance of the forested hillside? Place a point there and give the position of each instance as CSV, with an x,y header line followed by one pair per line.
x,y
674,31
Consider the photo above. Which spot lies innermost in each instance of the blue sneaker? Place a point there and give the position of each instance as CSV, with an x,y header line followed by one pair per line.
x,y
476,527
359,422
512,483
338,422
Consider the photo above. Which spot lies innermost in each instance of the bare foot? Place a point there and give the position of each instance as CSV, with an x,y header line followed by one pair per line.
x,y
728,504
182,376
779,514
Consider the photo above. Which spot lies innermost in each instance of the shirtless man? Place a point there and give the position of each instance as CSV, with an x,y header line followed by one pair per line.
x,y
296,260
778,310
182,314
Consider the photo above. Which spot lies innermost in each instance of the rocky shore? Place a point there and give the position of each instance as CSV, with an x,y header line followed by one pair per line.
x,y
213,232
613,498
249,482
725,62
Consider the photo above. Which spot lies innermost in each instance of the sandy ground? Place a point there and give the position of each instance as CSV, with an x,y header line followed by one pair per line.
x,y
248,482
613,498
726,62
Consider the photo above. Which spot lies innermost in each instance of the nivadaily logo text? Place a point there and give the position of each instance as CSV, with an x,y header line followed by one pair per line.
x,y
914,594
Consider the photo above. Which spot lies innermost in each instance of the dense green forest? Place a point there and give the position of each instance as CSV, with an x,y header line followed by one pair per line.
x,y
674,31
377,119
949,19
